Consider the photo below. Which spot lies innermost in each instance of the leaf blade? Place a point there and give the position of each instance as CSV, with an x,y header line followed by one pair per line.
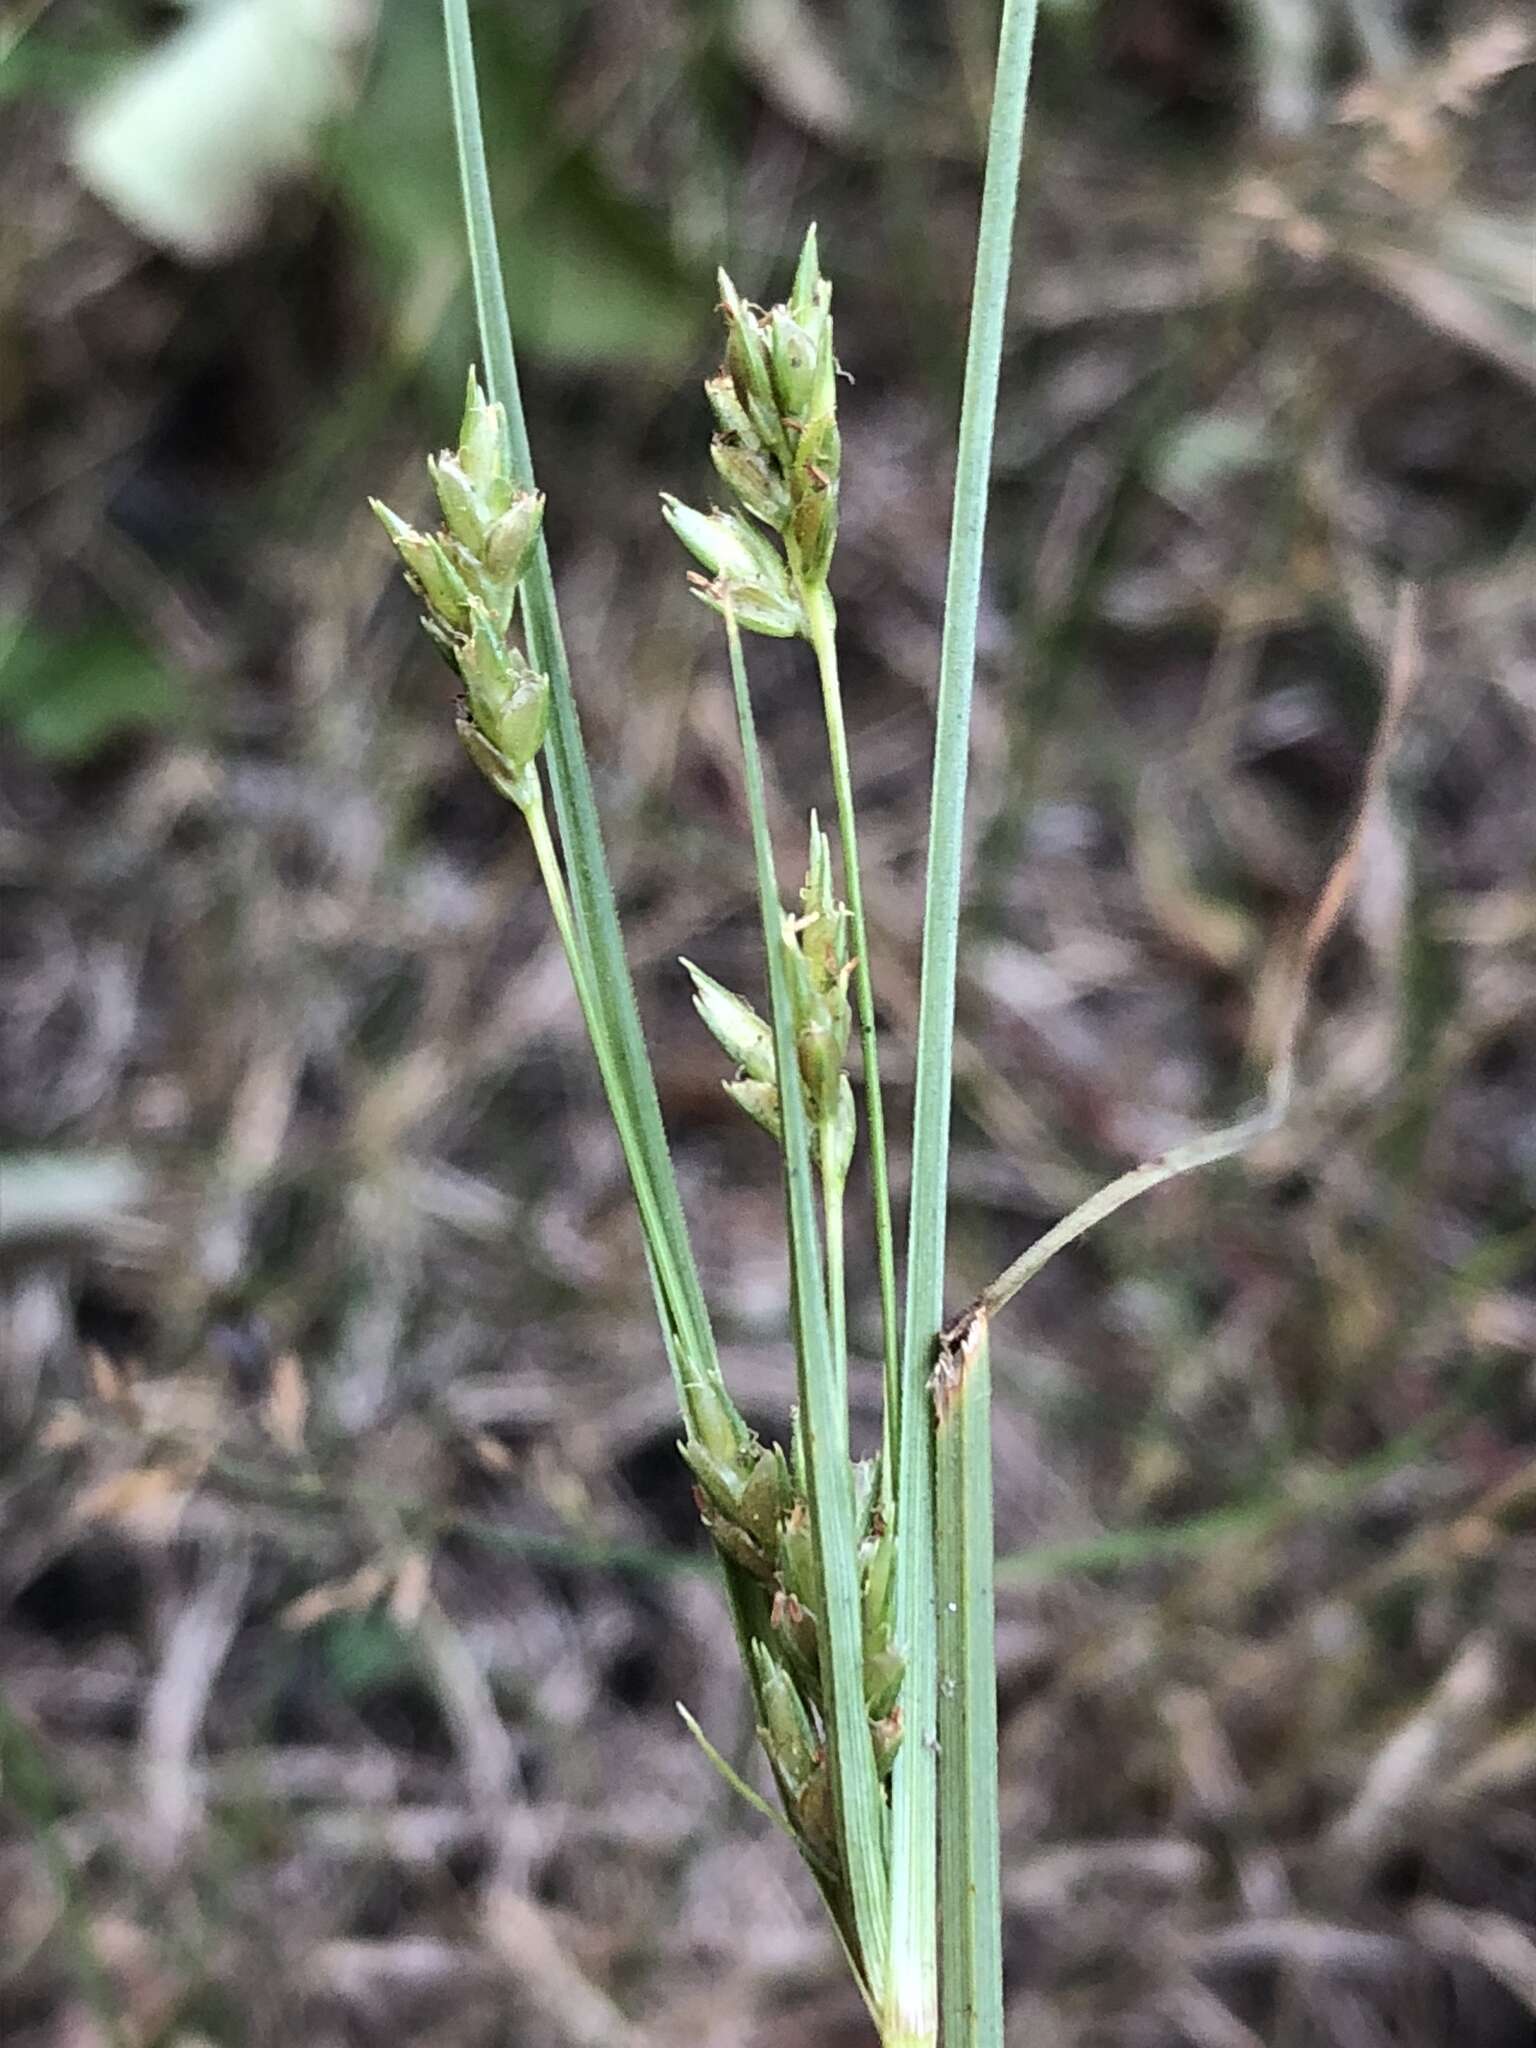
x,y
913,1788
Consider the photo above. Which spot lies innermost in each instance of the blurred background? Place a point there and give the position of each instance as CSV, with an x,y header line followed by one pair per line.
x,y
348,1575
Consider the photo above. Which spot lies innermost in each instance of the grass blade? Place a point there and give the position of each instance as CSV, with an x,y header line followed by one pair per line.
x,y
941,911
970,1881
617,1037
1212,1146
860,1807
1205,1150
913,2017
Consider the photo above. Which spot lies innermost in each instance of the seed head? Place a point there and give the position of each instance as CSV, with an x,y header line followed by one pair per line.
x,y
730,414
734,1024
484,451
760,1099
816,1815
755,478
732,1541
467,573
823,927
839,1136
746,361
428,569
886,1734
508,699
877,1573
777,449
883,1673
821,1023
794,1626
712,1418
511,537
756,607
465,513
765,1498
786,1731
792,352
715,539
808,279
814,494
797,1555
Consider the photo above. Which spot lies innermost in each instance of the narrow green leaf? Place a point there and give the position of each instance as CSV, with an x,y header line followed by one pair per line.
x,y
970,1884
860,1807
941,912
911,2014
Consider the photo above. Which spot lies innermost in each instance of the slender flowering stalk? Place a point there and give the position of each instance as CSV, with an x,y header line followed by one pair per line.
x,y
590,927
857,1812
817,604
778,449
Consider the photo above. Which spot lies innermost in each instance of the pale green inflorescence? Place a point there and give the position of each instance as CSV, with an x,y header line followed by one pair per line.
x,y
467,574
778,451
818,973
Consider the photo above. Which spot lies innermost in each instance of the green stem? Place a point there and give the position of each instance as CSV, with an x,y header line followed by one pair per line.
x,y
613,1016
856,1788
818,611
544,851
913,1785
969,1862
832,1193
528,795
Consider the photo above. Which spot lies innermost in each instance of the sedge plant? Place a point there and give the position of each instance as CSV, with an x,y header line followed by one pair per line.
x,y
860,1589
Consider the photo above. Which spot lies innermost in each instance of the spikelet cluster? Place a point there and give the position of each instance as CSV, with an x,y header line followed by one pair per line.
x,y
754,1500
817,971
777,449
467,575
